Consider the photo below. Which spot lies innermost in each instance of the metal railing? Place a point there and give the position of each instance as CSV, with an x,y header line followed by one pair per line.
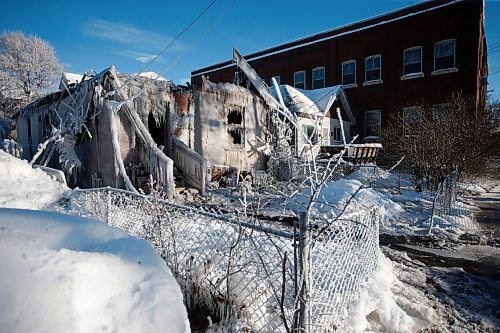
x,y
191,164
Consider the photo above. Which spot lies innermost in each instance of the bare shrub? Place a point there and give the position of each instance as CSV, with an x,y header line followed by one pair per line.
x,y
437,140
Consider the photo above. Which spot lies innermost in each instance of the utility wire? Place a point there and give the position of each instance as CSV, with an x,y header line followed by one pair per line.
x,y
196,39
177,37
495,72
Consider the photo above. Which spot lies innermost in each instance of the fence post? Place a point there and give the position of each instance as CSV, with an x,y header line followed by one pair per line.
x,y
304,272
108,203
435,202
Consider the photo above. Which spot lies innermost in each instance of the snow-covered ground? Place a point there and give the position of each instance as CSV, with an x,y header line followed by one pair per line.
x,y
62,273
21,186
65,273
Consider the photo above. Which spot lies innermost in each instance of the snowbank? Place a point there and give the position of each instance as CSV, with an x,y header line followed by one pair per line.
x,y
388,305
334,196
22,186
62,273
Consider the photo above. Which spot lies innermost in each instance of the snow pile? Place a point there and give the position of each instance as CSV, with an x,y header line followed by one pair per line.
x,y
388,305
69,274
350,194
25,187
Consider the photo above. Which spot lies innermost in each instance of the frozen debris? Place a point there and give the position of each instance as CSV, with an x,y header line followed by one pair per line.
x,y
70,80
158,163
12,147
113,108
21,186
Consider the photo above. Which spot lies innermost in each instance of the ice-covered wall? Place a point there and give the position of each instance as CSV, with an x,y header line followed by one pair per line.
x,y
228,120
82,112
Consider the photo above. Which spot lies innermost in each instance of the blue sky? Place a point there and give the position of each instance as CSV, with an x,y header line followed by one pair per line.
x,y
96,34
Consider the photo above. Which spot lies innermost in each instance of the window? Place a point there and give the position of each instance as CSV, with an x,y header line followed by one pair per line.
x,y
412,61
318,78
411,117
444,55
299,80
309,134
325,140
440,111
277,78
336,134
235,124
372,66
349,72
237,78
372,123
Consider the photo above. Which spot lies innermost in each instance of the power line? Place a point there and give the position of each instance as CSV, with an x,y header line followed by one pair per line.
x,y
177,37
495,45
195,40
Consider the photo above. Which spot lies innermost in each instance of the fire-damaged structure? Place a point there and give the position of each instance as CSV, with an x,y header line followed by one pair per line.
x,y
107,130
117,130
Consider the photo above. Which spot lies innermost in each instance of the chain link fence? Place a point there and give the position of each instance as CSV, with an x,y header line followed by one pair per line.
x,y
249,276
343,255
445,204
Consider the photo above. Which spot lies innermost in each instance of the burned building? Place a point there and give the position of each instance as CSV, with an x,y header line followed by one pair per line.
x,y
107,130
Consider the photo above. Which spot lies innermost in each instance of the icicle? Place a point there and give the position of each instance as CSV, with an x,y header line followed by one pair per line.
x,y
341,122
116,148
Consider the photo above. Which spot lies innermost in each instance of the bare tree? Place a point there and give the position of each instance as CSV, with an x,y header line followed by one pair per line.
x,y
440,139
28,67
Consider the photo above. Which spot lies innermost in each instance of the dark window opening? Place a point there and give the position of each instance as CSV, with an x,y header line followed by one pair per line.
x,y
412,61
234,117
444,55
157,130
234,136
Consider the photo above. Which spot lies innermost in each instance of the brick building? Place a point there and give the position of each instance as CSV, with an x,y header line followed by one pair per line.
x,y
393,62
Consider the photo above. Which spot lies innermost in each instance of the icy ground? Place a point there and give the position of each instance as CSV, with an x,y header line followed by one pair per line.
x,y
62,273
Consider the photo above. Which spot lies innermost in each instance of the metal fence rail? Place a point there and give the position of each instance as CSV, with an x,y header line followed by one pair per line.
x,y
251,277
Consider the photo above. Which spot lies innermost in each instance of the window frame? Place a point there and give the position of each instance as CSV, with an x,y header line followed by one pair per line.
x,y
336,134
413,74
379,80
379,123
353,84
312,76
448,69
295,81
305,135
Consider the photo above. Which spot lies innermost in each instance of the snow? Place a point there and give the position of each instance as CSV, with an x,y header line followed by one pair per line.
x,y
387,305
62,273
152,75
335,195
72,77
313,102
68,274
25,187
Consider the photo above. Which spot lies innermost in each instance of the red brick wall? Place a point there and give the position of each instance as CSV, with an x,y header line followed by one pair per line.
x,y
461,21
